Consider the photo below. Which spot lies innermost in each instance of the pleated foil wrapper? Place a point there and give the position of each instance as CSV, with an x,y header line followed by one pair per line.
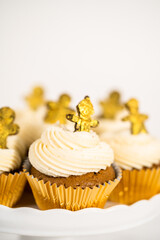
x,y
49,196
137,185
11,188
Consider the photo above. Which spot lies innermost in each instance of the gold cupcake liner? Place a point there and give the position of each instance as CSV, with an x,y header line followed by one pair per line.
x,y
137,185
11,188
49,196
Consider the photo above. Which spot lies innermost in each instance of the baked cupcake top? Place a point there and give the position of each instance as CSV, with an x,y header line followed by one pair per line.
x,y
135,148
9,158
62,153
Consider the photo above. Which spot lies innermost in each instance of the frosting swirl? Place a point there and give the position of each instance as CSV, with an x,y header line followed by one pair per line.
x,y
17,143
60,152
9,160
107,125
113,125
31,124
135,151
69,125
28,115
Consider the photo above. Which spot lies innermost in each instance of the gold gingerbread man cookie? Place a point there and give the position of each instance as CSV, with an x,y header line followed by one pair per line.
x,y
137,119
83,121
57,111
36,98
112,105
7,127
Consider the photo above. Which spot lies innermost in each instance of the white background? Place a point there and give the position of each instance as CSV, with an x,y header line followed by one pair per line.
x,y
83,48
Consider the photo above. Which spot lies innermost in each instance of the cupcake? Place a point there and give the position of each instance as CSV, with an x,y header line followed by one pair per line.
x,y
31,118
12,179
72,170
113,112
138,154
57,111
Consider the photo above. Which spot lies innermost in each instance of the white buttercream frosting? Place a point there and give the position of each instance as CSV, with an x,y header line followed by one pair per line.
x,y
113,125
31,124
9,160
17,143
134,151
69,125
30,133
28,115
61,153
121,114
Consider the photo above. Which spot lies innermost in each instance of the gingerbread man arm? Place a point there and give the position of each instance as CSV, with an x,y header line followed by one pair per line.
x,y
51,105
72,118
127,118
13,129
145,117
102,103
94,123
71,111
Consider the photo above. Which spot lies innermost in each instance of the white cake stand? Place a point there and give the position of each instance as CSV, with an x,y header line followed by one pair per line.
x,y
29,221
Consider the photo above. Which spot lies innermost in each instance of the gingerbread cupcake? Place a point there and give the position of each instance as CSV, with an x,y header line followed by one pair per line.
x,y
12,179
72,170
138,154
